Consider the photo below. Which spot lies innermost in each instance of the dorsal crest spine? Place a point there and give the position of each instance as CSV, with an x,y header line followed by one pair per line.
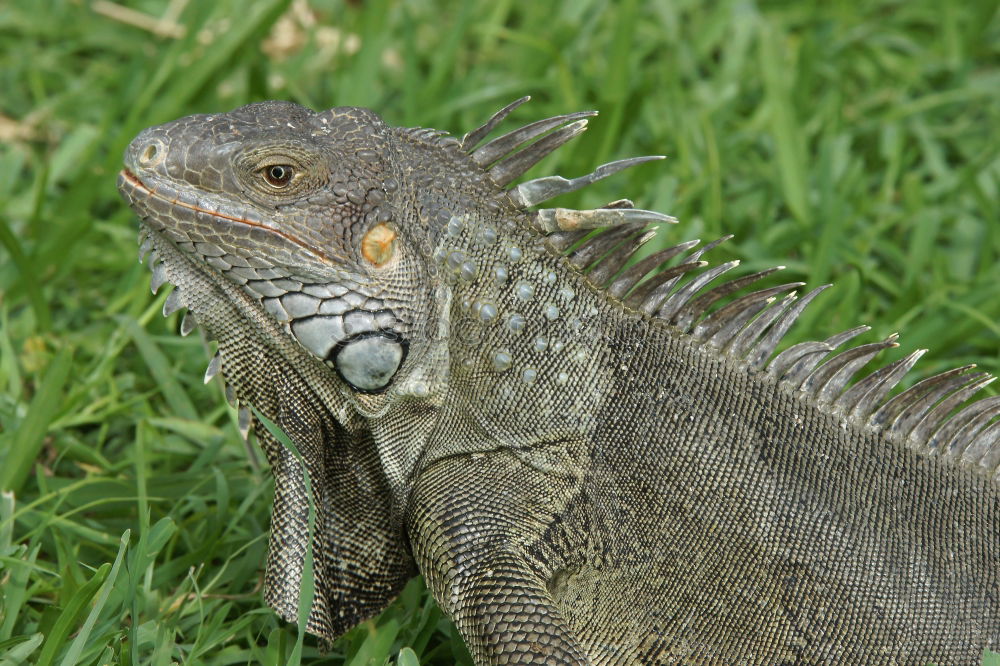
x,y
602,245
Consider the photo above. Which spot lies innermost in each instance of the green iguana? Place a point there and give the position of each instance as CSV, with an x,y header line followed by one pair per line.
x,y
591,460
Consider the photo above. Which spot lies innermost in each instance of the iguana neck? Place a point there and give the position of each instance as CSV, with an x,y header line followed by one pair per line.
x,y
522,316
504,305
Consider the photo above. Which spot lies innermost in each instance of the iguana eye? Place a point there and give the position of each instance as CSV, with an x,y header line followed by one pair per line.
x,y
278,175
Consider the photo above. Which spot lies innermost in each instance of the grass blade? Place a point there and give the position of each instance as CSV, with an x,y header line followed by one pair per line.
x,y
79,643
68,617
18,655
26,441
160,367
788,141
29,277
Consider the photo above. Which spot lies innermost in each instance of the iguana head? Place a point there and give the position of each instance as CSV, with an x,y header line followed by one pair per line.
x,y
302,210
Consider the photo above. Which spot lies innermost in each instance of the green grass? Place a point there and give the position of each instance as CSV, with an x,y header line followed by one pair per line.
x,y
855,144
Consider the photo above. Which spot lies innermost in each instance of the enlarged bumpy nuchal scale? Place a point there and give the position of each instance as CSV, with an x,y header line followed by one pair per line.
x,y
591,459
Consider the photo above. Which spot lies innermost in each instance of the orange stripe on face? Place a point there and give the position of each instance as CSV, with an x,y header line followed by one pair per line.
x,y
134,181
379,244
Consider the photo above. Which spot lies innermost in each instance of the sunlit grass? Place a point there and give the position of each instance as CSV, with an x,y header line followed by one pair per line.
x,y
851,142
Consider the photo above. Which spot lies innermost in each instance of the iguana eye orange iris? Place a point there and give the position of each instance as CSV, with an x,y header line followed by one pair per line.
x,y
379,244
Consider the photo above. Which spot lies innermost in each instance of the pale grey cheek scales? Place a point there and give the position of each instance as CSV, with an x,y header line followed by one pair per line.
x,y
354,334
319,334
361,345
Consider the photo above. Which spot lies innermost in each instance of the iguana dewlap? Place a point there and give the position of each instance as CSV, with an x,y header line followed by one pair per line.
x,y
590,460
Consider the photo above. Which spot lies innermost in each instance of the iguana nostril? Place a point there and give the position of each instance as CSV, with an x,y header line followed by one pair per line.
x,y
152,154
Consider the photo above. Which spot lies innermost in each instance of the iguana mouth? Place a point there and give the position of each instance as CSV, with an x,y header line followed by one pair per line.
x,y
135,190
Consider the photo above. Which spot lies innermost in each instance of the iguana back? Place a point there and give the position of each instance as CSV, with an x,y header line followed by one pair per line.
x,y
589,460
739,523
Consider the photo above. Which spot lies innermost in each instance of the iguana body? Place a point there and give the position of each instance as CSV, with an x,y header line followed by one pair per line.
x,y
588,463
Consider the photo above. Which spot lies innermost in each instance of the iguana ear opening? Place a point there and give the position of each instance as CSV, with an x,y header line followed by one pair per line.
x,y
378,245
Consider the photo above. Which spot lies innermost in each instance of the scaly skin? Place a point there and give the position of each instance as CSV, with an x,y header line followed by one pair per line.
x,y
584,473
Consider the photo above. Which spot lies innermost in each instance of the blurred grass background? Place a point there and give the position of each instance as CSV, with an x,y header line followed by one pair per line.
x,y
852,142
